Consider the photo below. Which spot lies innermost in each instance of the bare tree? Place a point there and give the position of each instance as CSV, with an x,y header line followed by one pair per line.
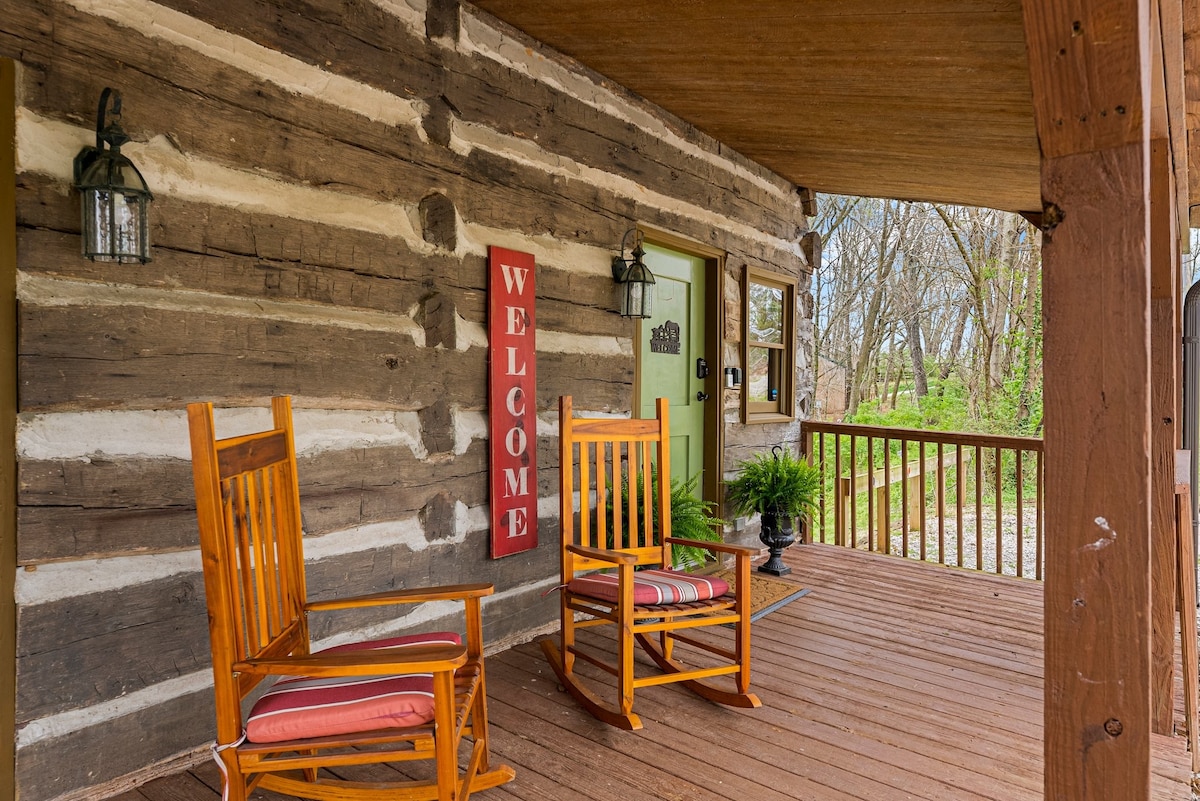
x,y
913,290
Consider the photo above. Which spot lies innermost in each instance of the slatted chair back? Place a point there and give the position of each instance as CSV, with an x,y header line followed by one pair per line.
x,y
248,499
616,486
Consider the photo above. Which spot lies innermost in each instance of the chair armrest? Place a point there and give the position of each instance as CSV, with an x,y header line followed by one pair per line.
x,y
602,555
454,592
411,659
716,547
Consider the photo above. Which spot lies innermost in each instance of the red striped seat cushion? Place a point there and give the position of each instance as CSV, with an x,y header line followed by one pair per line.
x,y
652,587
297,708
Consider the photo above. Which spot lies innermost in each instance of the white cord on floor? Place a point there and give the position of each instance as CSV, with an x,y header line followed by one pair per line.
x,y
216,752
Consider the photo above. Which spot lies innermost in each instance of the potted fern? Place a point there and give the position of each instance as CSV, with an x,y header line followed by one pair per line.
x,y
779,487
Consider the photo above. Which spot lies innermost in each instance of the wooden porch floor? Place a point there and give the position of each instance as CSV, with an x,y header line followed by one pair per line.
x,y
890,680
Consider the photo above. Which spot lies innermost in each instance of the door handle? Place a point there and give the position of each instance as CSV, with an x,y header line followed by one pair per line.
x,y
701,396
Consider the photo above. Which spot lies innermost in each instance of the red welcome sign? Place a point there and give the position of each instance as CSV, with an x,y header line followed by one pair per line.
x,y
512,401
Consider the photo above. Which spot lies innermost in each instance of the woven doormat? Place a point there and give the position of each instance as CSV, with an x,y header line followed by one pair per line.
x,y
766,592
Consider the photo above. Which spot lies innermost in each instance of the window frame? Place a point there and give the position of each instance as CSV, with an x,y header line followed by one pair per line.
x,y
783,410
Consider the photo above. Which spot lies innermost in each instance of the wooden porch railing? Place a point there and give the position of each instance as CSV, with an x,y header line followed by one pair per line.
x,y
969,500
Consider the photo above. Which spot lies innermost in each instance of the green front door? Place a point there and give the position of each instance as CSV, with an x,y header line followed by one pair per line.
x,y
669,345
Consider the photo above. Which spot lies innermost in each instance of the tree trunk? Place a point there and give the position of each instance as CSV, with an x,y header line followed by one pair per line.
x,y
912,325
997,356
1032,356
896,390
917,357
887,375
956,340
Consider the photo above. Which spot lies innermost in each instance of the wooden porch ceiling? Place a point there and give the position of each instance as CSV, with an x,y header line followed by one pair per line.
x,y
922,100
892,679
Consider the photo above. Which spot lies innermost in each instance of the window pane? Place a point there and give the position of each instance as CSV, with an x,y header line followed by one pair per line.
x,y
766,313
768,339
765,374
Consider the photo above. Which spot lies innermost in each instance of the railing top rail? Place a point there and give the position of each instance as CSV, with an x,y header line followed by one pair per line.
x,y
919,434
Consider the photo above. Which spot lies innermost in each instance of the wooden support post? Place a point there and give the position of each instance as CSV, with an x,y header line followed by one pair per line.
x,y
1090,77
916,499
1164,239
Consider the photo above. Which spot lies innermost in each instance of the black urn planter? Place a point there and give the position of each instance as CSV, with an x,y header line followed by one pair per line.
x,y
776,534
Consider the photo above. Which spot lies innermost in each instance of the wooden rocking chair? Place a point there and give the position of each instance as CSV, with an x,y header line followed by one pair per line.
x,y
605,527
395,700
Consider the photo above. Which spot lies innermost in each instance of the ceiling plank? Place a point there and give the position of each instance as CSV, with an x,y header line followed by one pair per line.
x,y
928,100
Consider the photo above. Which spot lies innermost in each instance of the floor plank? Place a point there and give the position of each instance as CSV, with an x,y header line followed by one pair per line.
x,y
892,679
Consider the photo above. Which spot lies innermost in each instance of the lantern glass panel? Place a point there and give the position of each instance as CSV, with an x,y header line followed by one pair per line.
x,y
97,212
115,225
639,299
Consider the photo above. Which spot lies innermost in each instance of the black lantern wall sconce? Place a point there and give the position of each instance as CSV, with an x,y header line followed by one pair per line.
x,y
114,220
635,282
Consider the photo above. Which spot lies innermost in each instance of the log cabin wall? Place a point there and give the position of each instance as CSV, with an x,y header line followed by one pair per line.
x,y
327,177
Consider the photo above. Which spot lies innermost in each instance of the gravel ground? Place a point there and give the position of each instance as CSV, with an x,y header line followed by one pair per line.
x,y
986,532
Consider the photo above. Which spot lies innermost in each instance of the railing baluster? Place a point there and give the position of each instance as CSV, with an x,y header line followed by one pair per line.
x,y
1020,516
921,494
958,502
941,505
979,507
904,495
816,455
999,493
887,496
839,507
870,493
1038,531
853,500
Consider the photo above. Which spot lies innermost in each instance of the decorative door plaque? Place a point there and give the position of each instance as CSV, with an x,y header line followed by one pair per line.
x,y
665,338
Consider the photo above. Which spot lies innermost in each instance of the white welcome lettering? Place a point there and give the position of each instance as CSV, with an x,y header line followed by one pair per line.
x,y
518,523
516,441
512,362
514,275
516,482
515,315
510,401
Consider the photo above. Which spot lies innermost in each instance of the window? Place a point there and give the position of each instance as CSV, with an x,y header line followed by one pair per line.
x,y
768,346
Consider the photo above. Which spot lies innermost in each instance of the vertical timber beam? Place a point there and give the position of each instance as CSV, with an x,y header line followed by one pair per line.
x,y
1089,69
8,427
1164,240
1164,244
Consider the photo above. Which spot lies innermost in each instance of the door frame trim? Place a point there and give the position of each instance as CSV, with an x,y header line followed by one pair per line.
x,y
714,344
